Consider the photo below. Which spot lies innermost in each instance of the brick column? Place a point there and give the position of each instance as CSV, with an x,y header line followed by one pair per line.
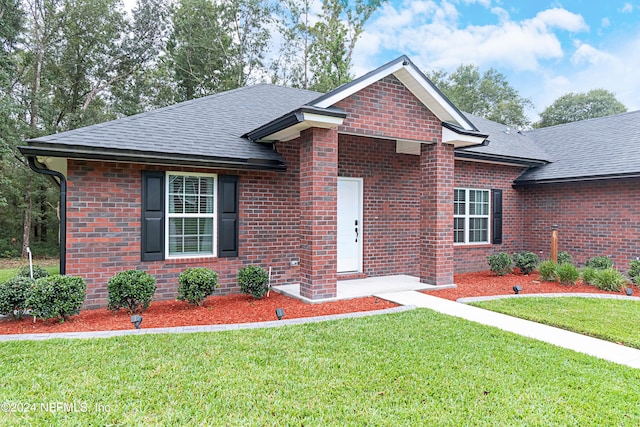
x,y
318,212
436,214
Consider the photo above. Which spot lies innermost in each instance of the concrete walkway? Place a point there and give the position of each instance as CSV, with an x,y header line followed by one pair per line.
x,y
358,288
581,343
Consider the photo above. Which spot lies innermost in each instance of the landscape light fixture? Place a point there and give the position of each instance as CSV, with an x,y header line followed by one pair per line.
x,y
517,289
280,313
136,319
628,291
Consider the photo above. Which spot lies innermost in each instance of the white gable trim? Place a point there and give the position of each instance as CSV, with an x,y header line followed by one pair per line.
x,y
413,79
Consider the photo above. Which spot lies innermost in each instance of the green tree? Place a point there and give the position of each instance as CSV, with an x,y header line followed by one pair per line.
x,y
487,95
217,46
318,56
573,107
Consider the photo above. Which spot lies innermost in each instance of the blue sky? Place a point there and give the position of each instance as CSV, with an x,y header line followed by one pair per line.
x,y
545,48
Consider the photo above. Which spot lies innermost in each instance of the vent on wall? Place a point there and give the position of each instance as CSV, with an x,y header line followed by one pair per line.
x,y
407,147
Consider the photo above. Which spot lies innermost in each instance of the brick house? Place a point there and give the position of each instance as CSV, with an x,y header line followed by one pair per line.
x,y
381,176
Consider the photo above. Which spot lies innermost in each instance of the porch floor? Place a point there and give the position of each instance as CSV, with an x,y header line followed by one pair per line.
x,y
358,288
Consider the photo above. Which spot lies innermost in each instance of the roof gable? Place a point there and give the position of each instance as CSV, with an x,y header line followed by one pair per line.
x,y
413,79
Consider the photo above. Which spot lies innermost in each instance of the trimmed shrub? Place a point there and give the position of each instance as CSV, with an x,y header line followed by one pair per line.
x,y
38,272
253,280
599,262
500,264
526,261
547,270
13,296
589,275
57,297
634,271
567,274
196,284
564,258
609,279
132,290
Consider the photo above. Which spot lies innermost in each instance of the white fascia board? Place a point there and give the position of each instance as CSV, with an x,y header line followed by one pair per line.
x,y
460,140
310,120
358,86
431,97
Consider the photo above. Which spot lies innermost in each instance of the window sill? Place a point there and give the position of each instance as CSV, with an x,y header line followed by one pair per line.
x,y
191,260
472,245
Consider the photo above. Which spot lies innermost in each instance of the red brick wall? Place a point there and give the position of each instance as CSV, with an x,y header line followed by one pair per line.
x,y
391,206
486,176
318,212
388,109
103,226
594,219
436,214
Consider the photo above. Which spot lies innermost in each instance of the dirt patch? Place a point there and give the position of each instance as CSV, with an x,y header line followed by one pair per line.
x,y
17,263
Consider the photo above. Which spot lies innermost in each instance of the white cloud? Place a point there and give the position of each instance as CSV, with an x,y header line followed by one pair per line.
x,y
587,54
432,35
606,22
485,3
627,8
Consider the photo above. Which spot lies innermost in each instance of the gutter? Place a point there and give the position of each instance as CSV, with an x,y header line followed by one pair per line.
x,y
516,161
533,182
63,209
93,153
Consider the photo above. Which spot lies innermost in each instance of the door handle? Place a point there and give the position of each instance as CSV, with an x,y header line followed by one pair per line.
x,y
356,230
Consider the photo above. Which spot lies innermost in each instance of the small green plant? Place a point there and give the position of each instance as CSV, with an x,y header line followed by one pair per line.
x,y
567,274
547,270
13,296
196,284
38,272
634,271
253,280
564,258
599,262
500,264
609,279
56,297
589,275
132,290
526,261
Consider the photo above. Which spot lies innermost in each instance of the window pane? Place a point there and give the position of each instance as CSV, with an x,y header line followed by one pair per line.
x,y
459,202
478,202
458,230
478,230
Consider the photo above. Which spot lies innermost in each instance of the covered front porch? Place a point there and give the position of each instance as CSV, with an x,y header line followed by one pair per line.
x,y
358,288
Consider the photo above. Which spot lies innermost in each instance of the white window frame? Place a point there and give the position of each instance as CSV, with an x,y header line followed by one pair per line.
x,y
466,216
170,215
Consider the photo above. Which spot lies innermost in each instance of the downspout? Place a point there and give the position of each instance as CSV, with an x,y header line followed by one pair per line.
x,y
63,209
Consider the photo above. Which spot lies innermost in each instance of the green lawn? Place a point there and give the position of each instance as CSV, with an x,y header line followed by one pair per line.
x,y
610,319
412,368
8,273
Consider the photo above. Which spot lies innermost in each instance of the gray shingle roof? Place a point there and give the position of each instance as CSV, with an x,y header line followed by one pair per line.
x,y
208,127
605,147
504,144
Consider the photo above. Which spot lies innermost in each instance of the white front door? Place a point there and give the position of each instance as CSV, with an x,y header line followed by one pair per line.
x,y
349,225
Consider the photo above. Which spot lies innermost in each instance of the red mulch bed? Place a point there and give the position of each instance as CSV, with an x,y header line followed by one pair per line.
x,y
484,283
244,309
236,308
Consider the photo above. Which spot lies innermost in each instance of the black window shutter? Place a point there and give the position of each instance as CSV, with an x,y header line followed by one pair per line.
x,y
152,244
228,215
496,216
